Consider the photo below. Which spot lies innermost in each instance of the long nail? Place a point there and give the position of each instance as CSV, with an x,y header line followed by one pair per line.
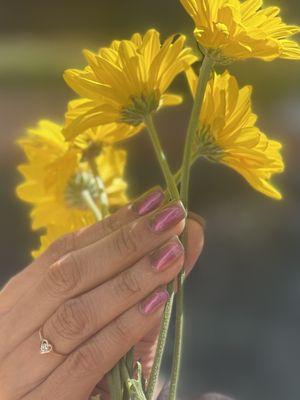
x,y
167,218
150,201
154,301
165,256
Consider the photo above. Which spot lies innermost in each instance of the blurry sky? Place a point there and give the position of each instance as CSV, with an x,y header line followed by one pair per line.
x,y
242,322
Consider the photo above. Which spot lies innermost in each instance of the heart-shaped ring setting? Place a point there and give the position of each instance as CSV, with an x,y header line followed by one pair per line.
x,y
45,347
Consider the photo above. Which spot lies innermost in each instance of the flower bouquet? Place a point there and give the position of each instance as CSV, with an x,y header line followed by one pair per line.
x,y
74,174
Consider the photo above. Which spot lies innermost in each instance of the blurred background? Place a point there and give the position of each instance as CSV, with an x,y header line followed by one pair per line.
x,y
242,304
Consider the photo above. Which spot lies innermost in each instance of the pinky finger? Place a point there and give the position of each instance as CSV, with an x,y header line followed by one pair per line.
x,y
76,378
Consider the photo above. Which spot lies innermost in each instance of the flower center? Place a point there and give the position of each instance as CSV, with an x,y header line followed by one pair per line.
x,y
219,57
80,182
207,146
216,55
140,107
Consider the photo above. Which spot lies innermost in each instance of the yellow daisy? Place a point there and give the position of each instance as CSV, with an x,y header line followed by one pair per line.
x,y
99,135
57,181
126,81
228,133
234,29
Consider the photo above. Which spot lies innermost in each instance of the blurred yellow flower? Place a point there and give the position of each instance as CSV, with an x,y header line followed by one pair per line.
x,y
234,29
228,133
55,178
99,135
126,81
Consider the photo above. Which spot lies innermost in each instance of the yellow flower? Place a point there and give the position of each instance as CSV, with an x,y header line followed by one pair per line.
x,y
99,135
55,177
231,29
228,133
127,80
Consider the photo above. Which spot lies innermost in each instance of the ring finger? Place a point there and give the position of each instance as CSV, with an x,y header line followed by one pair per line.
x,y
76,377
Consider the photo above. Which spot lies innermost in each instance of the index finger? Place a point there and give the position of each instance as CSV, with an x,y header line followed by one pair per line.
x,y
91,234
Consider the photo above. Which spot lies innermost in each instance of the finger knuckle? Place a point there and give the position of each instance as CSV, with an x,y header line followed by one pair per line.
x,y
120,333
127,284
110,225
63,277
87,360
62,245
126,241
73,320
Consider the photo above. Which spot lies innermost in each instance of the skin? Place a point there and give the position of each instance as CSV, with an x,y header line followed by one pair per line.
x,y
87,292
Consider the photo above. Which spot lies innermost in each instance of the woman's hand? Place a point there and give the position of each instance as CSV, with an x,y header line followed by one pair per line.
x,y
92,295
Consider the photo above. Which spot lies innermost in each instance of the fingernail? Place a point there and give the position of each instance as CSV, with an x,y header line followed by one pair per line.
x,y
167,218
154,301
166,255
148,202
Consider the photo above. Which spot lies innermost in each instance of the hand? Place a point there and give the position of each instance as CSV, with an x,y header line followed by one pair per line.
x,y
92,295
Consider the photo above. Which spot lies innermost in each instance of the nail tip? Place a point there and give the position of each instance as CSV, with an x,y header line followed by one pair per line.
x,y
154,302
168,217
166,255
148,202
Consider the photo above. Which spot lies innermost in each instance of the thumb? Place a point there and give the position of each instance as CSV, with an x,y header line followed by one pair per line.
x,y
195,240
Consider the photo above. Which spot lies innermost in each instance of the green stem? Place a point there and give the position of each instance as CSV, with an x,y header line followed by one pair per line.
x,y
103,200
204,76
161,343
171,184
112,388
178,174
115,383
174,194
86,195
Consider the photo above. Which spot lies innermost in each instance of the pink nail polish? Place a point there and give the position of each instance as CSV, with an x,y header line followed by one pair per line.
x,y
167,218
154,301
148,202
166,255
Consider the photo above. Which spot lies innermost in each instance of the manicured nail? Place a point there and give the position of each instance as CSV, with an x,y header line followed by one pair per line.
x,y
148,202
167,218
166,255
154,301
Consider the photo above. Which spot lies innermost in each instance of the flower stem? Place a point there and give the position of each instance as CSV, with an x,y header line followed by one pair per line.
x,y
89,201
171,184
103,200
174,194
160,348
204,76
115,383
